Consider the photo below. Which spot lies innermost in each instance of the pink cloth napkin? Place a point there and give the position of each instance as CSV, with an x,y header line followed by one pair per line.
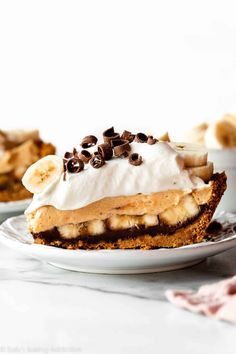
x,y
217,300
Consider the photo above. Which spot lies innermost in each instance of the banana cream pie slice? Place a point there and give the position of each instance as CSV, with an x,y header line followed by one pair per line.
x,y
128,192
18,150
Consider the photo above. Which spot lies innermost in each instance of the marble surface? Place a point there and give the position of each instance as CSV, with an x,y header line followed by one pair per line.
x,y
48,310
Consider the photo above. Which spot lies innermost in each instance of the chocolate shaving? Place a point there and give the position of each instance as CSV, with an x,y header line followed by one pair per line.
x,y
105,151
64,167
74,165
97,160
69,155
126,135
114,144
109,135
141,138
135,159
121,147
85,156
151,140
89,141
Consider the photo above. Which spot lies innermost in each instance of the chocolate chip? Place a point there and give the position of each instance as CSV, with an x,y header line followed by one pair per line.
x,y
105,151
109,135
151,140
126,135
97,160
121,147
85,156
69,155
141,138
89,141
135,159
74,165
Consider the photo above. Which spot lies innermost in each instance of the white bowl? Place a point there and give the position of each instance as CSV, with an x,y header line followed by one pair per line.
x,y
225,160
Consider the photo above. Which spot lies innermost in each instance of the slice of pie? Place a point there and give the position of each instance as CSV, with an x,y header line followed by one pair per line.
x,y
18,150
129,192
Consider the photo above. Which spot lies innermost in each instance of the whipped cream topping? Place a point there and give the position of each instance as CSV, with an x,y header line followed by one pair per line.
x,y
162,169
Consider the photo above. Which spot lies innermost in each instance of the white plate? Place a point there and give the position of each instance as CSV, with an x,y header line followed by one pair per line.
x,y
13,234
8,209
18,205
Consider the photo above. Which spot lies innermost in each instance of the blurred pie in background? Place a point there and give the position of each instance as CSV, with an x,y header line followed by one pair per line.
x,y
18,150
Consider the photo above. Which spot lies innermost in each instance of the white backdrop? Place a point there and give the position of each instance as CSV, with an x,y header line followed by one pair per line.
x,y
73,67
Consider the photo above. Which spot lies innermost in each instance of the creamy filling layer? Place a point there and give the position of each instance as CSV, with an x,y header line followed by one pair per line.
x,y
167,221
53,236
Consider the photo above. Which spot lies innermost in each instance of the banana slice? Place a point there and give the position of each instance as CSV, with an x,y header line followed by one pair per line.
x,y
121,222
43,173
204,172
187,208
194,155
164,137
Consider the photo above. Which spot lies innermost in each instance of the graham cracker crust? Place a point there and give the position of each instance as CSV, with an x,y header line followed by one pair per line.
x,y
193,232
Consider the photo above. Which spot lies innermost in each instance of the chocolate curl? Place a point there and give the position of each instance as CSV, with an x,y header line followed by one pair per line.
x,y
85,156
126,135
97,160
109,135
135,159
69,155
151,140
141,138
74,165
89,141
121,147
105,151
